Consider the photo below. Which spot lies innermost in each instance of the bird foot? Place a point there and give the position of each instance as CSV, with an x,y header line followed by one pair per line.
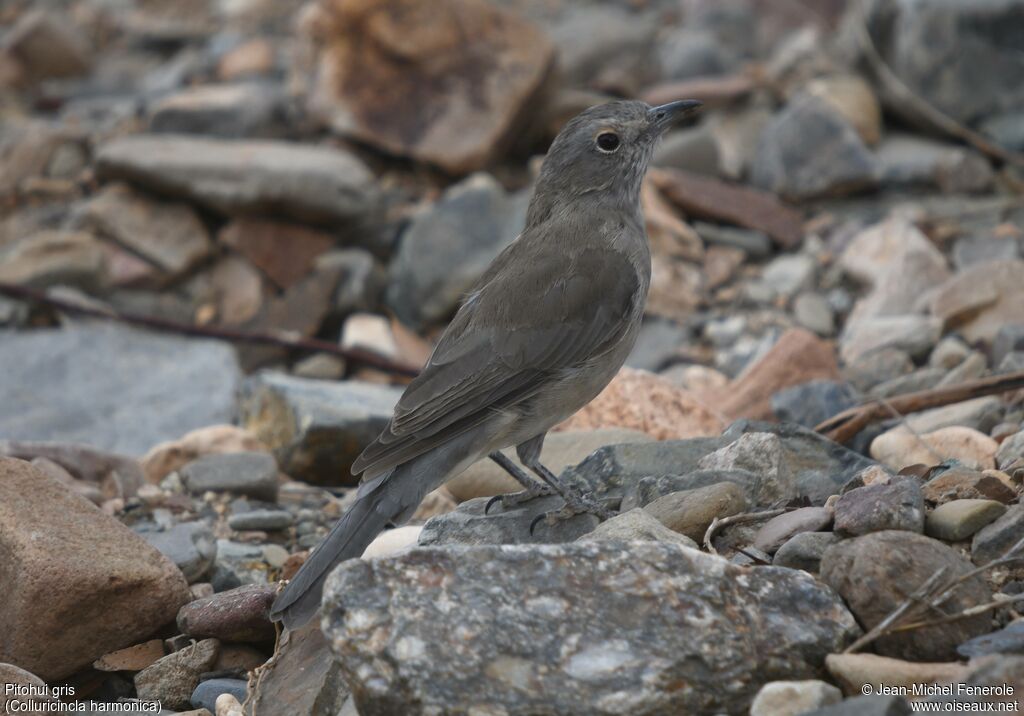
x,y
575,504
515,499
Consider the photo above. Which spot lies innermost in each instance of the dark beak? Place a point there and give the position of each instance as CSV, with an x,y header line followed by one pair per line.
x,y
666,115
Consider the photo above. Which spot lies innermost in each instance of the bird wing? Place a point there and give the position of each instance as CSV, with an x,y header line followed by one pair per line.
x,y
541,308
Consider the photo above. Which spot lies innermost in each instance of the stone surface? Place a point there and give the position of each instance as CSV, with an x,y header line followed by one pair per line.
x,y
638,400
898,447
208,692
781,529
798,357
253,474
636,524
1010,450
474,219
190,545
961,483
535,615
47,45
244,109
853,671
809,150
877,572
267,520
48,258
303,182
981,299
916,335
169,235
172,455
79,583
909,162
993,540
895,505
316,428
304,679
172,679
284,252
812,403
690,512
561,449
103,397
804,550
132,658
238,615
472,69
18,677
959,519
791,698
980,413
866,706
1008,640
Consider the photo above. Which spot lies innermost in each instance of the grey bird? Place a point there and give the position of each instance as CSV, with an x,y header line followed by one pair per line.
x,y
545,329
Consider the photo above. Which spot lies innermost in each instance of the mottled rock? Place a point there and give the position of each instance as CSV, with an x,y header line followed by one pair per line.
x,y
898,447
471,68
240,615
690,512
895,505
781,529
190,545
304,182
172,679
103,397
636,524
959,519
172,455
638,400
791,698
993,540
875,573
548,629
809,150
253,474
804,550
316,428
92,565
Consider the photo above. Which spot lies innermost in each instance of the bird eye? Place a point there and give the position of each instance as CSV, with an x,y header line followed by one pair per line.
x,y
608,142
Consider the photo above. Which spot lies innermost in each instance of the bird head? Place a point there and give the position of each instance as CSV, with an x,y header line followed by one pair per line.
x,y
604,151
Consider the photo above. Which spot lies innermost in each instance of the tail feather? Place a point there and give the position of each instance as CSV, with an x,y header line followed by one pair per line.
x,y
363,521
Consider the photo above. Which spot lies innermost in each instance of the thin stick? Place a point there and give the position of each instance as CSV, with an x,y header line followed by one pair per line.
x,y
717,524
965,614
910,602
278,338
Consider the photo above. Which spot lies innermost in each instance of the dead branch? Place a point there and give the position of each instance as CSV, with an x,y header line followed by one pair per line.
x,y
280,339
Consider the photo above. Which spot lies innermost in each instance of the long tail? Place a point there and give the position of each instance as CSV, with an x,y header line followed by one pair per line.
x,y
363,521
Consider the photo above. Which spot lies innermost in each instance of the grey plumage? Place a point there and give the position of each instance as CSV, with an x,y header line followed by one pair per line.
x,y
546,328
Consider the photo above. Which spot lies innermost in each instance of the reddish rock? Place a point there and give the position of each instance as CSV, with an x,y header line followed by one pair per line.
x,y
638,400
284,252
77,583
472,70
798,357
240,615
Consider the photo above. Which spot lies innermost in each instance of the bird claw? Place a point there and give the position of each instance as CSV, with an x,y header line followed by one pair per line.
x,y
577,505
515,499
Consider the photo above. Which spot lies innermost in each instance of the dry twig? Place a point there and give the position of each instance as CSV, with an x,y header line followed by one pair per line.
x,y
719,523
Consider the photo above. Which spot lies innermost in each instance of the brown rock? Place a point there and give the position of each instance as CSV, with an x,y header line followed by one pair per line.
x,y
167,457
981,299
240,614
237,290
284,252
877,572
251,58
47,45
57,257
239,656
961,483
690,512
304,679
898,447
132,658
173,678
471,69
638,400
853,671
798,357
851,96
170,235
707,198
78,584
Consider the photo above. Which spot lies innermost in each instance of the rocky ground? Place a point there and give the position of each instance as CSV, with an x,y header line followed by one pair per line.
x,y
844,225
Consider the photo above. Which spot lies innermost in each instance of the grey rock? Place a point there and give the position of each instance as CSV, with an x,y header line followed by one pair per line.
x,y
231,111
916,335
949,353
908,162
875,573
804,550
535,639
982,414
1008,640
973,367
240,564
636,524
790,698
253,474
979,248
1009,338
781,529
1004,677
1011,363
468,524
361,280
304,182
812,403
921,379
604,45
756,244
658,342
809,151
190,545
688,52
763,455
692,150
1010,450
316,428
261,520
648,489
205,694
111,387
473,220
993,540
812,311
172,679
866,706
867,371
1007,129
896,505
304,679
691,512
788,274
959,519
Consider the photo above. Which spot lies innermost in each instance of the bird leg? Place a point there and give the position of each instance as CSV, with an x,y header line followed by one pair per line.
x,y
576,503
532,487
